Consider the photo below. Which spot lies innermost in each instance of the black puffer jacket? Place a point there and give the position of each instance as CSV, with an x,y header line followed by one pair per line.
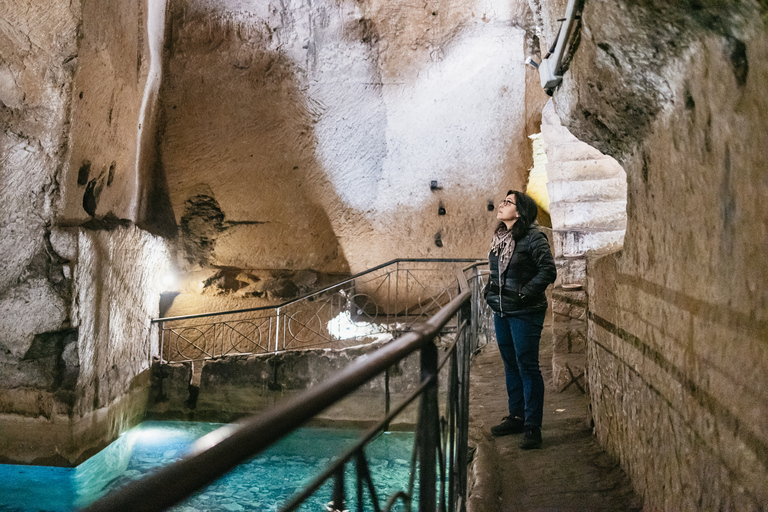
x,y
531,269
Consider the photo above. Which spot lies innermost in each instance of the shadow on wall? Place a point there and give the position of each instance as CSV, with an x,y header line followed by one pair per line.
x,y
237,146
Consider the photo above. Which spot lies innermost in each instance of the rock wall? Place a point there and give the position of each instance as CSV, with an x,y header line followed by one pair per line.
x,y
111,170
233,387
302,135
678,320
78,284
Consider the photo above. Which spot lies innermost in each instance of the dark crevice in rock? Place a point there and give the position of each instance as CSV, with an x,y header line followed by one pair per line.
x,y
738,58
690,104
575,39
194,392
156,212
201,224
273,384
111,173
84,173
92,195
646,165
52,363
108,222
607,49
166,301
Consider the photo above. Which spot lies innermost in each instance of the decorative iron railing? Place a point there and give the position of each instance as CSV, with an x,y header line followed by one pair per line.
x,y
384,301
440,441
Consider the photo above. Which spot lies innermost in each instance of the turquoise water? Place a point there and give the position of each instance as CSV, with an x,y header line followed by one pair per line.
x,y
263,484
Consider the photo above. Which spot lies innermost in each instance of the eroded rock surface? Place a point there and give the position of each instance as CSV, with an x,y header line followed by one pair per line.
x,y
677,319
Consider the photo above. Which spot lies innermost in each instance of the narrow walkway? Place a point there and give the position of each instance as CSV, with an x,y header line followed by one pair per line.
x,y
569,473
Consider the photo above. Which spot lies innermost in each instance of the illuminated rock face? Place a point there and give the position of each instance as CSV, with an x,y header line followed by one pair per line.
x,y
677,359
78,281
282,143
300,136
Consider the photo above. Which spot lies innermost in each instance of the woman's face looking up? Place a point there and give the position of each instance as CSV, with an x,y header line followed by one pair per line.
x,y
507,211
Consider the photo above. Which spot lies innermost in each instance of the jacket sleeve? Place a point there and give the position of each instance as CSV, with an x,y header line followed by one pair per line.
x,y
545,265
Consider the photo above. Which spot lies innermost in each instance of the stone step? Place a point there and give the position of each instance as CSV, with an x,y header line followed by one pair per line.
x,y
569,270
571,151
575,243
592,215
603,167
556,134
587,190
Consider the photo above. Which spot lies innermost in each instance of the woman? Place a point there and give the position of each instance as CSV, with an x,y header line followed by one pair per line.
x,y
521,269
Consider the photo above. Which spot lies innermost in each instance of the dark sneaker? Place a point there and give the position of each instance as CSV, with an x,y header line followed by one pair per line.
x,y
508,425
531,438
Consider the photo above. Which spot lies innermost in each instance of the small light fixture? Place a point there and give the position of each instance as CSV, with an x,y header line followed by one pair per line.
x,y
434,185
438,239
441,209
168,282
491,206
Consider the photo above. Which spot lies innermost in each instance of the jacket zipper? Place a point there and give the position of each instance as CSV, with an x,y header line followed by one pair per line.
x,y
501,308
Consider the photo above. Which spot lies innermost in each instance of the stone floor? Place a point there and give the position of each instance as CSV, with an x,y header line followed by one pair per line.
x,y
569,473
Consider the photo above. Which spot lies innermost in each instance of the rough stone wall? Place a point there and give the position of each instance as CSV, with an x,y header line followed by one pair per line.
x,y
111,171
78,283
304,135
233,387
35,282
678,320
35,79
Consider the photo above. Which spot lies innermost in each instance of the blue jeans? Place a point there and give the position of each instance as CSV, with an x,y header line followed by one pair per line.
x,y
518,338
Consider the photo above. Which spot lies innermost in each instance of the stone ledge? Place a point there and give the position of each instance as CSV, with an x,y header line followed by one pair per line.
x,y
67,441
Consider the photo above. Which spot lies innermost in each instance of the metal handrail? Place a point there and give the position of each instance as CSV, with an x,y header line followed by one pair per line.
x,y
222,450
324,290
369,436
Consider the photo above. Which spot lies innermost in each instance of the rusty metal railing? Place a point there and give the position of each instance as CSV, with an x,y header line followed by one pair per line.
x,y
386,300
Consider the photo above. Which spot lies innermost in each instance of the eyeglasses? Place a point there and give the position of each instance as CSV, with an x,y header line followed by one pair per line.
x,y
505,202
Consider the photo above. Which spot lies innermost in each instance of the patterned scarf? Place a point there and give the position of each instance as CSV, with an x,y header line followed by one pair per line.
x,y
503,245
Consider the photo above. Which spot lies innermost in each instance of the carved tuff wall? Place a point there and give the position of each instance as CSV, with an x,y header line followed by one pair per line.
x,y
678,320
78,281
280,141
302,135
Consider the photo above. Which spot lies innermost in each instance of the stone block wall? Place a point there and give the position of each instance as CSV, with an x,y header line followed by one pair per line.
x,y
677,320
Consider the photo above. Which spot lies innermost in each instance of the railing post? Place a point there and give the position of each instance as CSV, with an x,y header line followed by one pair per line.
x,y
387,396
277,330
464,352
162,341
429,435
476,297
338,502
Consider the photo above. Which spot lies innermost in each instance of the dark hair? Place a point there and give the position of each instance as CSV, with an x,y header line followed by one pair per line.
x,y
527,211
